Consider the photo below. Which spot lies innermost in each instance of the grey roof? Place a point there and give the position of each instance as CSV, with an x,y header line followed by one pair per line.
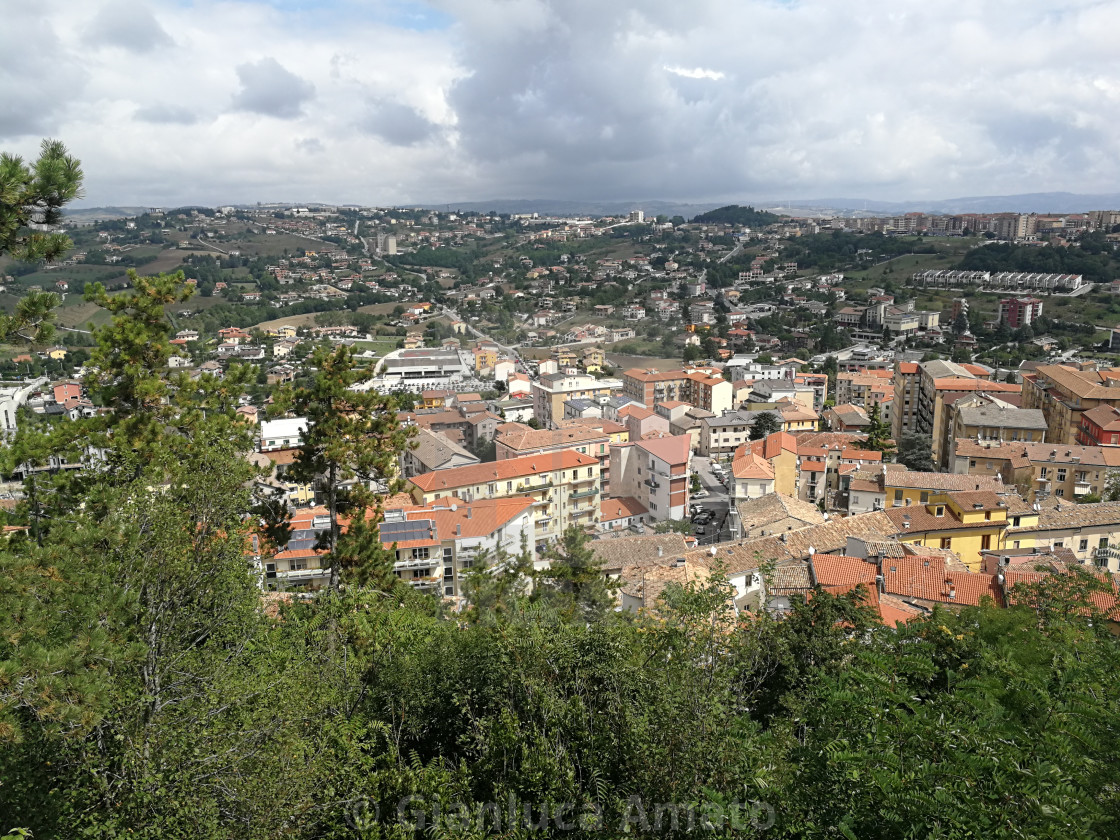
x,y
435,451
998,415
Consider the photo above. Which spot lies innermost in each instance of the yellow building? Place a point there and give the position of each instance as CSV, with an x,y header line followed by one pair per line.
x,y
593,360
563,356
55,353
904,487
283,331
780,449
485,358
966,523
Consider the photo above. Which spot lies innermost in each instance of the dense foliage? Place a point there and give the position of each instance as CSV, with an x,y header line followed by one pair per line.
x,y
733,214
1094,259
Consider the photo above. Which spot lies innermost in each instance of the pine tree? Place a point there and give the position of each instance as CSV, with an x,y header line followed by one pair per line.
x,y
352,438
31,202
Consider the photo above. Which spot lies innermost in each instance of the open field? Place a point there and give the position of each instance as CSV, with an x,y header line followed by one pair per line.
x,y
621,363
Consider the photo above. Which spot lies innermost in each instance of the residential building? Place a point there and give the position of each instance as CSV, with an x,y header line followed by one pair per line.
x,y
621,513
987,419
553,390
284,433
564,486
1065,393
436,544
1039,470
964,522
1020,311
515,440
655,472
846,418
1100,426
752,476
429,451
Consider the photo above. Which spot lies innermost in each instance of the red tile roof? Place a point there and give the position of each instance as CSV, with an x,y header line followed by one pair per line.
x,y
510,468
926,578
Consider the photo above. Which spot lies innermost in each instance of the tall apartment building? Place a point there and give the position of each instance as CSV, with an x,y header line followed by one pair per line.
x,y
564,486
1020,311
907,386
656,473
1065,393
554,389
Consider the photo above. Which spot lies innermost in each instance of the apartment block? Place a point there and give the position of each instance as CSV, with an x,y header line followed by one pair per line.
x,y
437,544
1065,393
1039,470
563,485
554,389
1020,311
655,472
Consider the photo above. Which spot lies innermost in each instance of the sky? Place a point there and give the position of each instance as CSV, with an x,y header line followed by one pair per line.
x,y
391,102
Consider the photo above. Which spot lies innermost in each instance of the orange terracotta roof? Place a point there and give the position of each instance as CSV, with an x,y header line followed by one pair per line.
x,y
562,459
620,508
841,570
927,579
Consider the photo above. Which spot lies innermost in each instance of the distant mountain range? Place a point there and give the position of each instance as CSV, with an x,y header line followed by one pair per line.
x,y
1053,202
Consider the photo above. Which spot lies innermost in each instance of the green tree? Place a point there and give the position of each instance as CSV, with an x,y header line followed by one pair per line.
x,y
914,451
766,423
351,439
31,201
574,581
878,433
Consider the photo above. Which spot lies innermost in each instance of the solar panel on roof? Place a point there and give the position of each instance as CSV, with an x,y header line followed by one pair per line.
x,y
417,529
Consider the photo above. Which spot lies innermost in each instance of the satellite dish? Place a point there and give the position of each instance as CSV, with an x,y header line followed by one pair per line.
x,y
454,507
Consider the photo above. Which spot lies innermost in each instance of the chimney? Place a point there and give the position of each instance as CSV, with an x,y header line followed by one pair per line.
x,y
459,530
469,512
660,551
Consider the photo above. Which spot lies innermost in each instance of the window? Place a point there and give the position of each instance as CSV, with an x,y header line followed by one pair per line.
x,y
491,489
898,497
939,510
1060,492
1061,473
925,497
589,472
1083,545
1059,544
972,462
988,515
1042,472
1015,521
420,553
1015,544
946,542
509,486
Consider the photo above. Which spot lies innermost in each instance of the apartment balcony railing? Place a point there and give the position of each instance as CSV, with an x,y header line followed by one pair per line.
x,y
584,494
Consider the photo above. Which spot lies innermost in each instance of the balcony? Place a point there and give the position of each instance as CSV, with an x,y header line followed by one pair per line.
x,y
653,482
1081,488
584,494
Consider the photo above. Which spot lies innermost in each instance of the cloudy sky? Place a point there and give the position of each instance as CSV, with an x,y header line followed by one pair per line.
x,y
400,101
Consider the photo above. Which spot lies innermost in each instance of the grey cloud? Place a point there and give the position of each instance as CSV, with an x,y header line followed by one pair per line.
x,y
310,145
166,114
268,88
399,124
128,25
39,79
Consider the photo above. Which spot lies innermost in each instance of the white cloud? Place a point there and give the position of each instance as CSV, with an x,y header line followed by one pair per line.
x,y
695,73
564,98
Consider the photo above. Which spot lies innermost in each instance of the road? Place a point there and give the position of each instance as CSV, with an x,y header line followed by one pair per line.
x,y
716,500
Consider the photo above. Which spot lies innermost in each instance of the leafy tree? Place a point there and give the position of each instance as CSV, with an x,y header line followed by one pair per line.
x,y
766,423
914,451
31,201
